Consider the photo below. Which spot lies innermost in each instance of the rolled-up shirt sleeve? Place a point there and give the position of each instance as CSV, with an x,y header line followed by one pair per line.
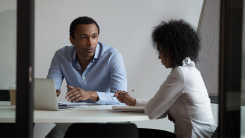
x,y
55,71
118,80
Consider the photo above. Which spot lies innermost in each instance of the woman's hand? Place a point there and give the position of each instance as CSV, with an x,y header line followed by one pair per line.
x,y
125,98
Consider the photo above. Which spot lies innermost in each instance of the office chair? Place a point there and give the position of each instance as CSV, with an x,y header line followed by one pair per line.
x,y
89,130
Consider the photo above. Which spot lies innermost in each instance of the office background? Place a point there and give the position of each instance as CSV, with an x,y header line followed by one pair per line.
x,y
125,25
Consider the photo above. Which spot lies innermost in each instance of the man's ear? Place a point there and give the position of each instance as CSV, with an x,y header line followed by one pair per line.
x,y
71,40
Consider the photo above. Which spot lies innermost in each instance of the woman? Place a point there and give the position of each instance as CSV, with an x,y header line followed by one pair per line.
x,y
183,94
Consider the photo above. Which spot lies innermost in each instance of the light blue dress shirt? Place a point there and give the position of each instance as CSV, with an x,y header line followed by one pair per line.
x,y
105,74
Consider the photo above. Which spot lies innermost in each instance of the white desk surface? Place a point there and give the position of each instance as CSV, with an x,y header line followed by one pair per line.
x,y
93,113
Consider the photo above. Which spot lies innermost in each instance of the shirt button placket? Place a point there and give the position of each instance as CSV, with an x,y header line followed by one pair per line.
x,y
84,81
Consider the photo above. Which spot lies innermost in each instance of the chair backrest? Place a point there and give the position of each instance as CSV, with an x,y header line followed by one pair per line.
x,y
102,130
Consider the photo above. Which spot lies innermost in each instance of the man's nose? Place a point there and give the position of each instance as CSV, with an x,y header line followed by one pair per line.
x,y
159,57
90,42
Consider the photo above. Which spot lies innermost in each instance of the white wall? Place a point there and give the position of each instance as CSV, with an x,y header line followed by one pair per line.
x,y
125,25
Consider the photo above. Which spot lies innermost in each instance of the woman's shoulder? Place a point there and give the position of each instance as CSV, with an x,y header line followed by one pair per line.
x,y
177,73
184,70
188,67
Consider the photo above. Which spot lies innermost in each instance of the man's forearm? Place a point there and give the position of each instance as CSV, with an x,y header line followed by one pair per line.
x,y
94,96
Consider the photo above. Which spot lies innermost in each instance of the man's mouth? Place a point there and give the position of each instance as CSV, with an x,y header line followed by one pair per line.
x,y
90,50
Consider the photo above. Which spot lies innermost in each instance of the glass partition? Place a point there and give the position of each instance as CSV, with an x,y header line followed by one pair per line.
x,y
16,59
231,58
243,78
8,63
8,26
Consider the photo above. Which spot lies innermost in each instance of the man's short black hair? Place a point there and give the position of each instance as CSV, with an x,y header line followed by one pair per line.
x,y
82,20
178,40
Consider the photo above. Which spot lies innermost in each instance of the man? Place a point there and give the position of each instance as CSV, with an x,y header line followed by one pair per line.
x,y
93,71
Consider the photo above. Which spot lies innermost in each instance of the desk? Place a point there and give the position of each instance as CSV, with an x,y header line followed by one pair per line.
x,y
91,114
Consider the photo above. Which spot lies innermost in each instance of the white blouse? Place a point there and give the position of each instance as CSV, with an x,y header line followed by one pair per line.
x,y
185,97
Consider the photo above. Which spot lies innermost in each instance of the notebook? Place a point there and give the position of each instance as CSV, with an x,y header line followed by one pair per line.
x,y
45,97
129,108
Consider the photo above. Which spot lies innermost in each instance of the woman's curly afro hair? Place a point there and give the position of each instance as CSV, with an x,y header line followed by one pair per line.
x,y
177,40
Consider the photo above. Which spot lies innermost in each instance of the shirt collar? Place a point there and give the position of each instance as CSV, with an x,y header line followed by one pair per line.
x,y
187,62
96,53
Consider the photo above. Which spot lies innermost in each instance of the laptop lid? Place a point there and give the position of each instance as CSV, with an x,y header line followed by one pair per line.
x,y
45,94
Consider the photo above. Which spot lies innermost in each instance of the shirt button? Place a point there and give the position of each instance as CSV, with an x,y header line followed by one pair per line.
x,y
83,77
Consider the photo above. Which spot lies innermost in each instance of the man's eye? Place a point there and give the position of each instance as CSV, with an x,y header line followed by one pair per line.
x,y
82,37
94,36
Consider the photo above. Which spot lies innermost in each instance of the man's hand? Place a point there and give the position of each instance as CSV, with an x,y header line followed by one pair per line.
x,y
75,94
125,98
58,93
170,118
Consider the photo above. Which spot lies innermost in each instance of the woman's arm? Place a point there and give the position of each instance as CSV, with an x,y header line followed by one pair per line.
x,y
168,93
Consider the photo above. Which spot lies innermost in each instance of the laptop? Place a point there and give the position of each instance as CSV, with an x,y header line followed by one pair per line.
x,y
45,97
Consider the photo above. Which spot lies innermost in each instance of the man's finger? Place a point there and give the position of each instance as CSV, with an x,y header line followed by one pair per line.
x,y
72,90
76,100
70,87
72,94
75,96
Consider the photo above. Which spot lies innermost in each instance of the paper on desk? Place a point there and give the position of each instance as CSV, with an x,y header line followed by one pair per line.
x,y
71,104
75,105
78,103
129,108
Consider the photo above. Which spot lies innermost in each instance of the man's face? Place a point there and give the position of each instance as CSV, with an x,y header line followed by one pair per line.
x,y
86,39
